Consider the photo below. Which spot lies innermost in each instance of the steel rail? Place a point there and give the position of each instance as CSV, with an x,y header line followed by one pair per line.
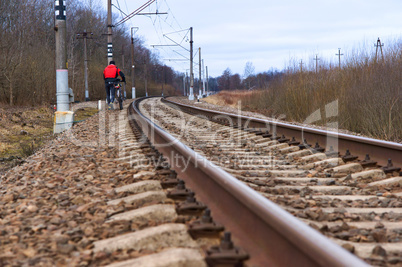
x,y
271,236
378,150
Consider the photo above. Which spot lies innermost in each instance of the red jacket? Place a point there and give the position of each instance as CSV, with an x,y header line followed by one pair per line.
x,y
112,72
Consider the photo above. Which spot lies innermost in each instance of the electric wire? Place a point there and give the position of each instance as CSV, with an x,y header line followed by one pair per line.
x,y
177,32
126,4
121,12
138,10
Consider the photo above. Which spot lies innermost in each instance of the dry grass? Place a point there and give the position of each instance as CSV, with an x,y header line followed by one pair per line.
x,y
364,96
84,113
228,98
23,127
23,130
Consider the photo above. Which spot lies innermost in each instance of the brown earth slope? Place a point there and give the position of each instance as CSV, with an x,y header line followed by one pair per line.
x,y
24,129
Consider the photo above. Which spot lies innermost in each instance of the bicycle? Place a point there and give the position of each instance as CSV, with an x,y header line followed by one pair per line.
x,y
119,93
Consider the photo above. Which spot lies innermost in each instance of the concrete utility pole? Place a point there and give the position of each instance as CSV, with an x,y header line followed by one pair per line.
x,y
124,69
163,78
203,78
316,63
109,32
132,64
187,84
206,69
378,45
63,117
191,96
301,65
339,55
145,79
184,84
200,79
84,35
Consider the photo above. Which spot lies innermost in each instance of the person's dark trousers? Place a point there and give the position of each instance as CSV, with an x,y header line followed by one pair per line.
x,y
110,91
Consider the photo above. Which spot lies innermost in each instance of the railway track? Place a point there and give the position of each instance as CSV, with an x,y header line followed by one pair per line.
x,y
101,194
354,204
79,201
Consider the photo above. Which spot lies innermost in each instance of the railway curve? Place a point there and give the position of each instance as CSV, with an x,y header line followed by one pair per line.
x,y
266,231
356,205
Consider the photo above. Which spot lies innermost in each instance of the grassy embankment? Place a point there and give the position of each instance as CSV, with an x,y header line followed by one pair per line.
x,y
24,129
367,94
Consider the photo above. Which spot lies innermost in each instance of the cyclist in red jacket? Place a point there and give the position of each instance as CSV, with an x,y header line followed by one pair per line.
x,y
110,75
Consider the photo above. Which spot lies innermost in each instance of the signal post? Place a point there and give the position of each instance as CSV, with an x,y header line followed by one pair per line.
x,y
63,118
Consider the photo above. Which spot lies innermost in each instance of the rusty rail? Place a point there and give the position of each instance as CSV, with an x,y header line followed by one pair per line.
x,y
379,151
269,234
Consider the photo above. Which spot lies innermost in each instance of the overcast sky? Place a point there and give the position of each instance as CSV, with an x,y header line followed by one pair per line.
x,y
268,33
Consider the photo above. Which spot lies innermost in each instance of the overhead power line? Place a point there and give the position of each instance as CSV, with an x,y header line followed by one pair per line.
x,y
121,11
339,55
143,14
379,45
138,10
174,38
179,44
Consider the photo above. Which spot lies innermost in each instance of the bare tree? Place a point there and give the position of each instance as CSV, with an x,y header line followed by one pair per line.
x,y
12,43
27,74
224,80
248,74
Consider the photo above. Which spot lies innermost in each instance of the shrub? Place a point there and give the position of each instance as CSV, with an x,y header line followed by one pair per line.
x,y
367,92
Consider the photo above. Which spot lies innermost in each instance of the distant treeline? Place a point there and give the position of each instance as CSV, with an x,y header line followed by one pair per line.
x,y
249,81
